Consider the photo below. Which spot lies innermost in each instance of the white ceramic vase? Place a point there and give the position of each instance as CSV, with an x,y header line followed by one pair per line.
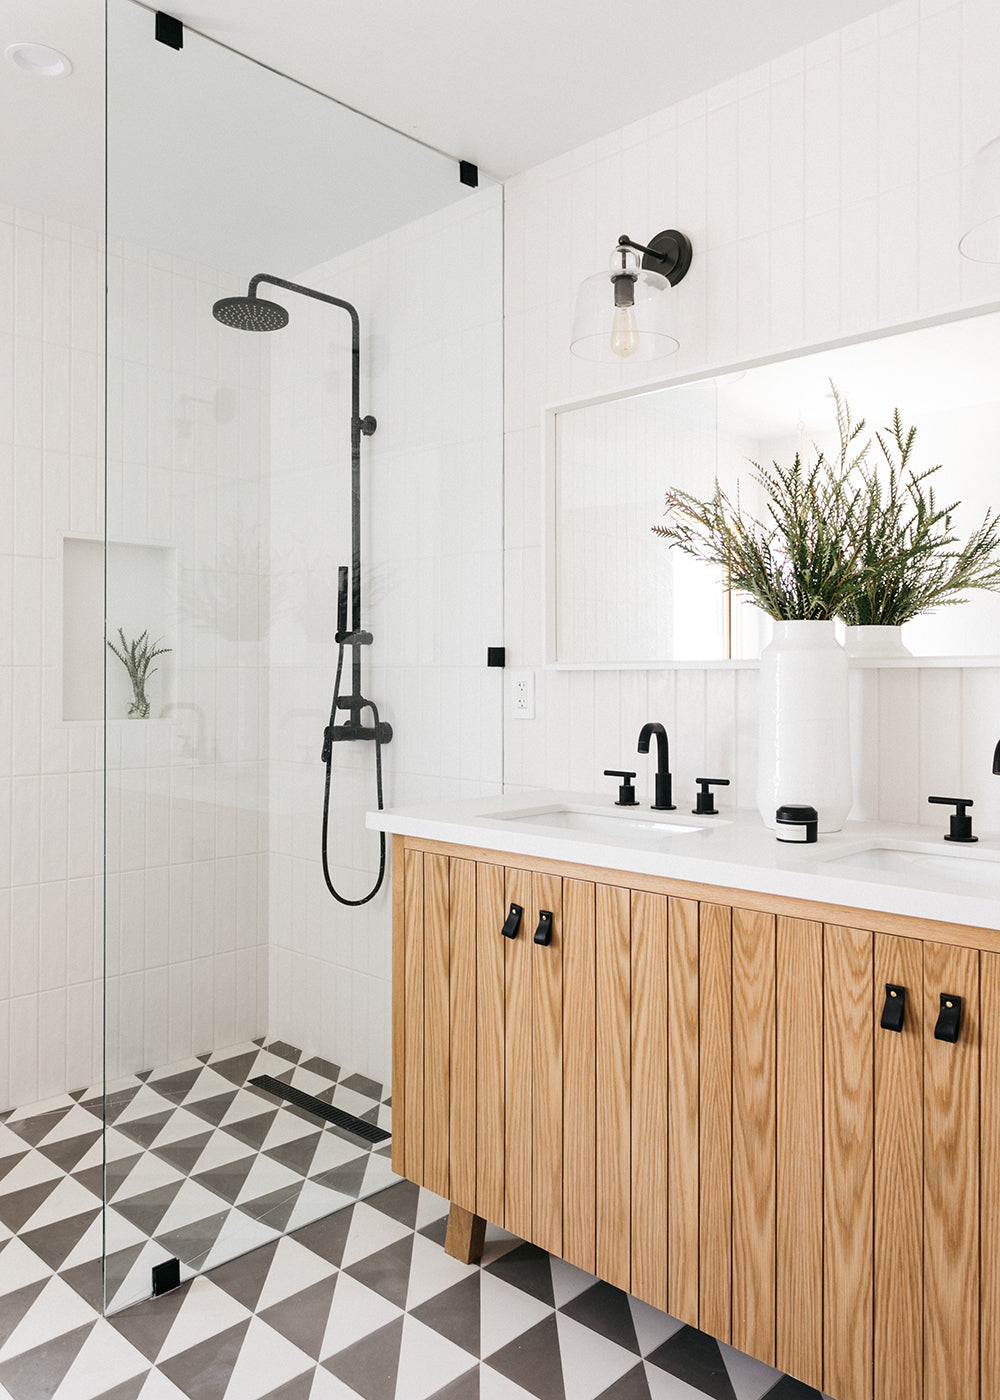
x,y
875,643
804,746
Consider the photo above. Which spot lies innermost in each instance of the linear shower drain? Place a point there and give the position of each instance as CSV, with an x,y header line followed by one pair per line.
x,y
369,1131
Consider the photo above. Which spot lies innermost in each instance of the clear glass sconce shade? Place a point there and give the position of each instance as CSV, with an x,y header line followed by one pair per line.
x,y
980,240
623,333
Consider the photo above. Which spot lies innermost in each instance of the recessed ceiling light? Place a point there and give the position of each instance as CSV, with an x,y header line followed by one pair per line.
x,y
40,59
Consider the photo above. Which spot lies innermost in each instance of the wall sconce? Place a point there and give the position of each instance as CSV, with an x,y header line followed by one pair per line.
x,y
980,240
622,314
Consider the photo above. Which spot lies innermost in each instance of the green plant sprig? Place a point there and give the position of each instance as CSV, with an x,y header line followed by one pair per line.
x,y
802,562
910,564
842,538
135,656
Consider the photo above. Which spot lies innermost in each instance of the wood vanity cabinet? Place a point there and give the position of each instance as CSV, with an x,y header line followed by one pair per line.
x,y
688,1092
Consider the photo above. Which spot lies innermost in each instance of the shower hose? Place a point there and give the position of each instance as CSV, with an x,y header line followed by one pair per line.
x,y
328,756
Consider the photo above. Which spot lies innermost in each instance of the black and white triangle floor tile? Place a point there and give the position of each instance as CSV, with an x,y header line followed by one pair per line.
x,y
360,1301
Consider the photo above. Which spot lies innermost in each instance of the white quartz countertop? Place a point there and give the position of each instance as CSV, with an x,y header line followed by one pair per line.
x,y
927,877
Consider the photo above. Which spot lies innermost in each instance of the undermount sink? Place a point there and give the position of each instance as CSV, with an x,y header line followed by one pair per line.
x,y
600,822
968,868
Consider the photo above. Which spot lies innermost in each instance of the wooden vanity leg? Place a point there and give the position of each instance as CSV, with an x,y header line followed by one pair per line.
x,y
466,1234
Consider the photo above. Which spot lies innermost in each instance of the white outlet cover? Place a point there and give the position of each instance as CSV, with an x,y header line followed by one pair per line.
x,y
522,695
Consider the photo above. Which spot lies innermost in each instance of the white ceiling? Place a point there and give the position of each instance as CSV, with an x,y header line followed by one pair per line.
x,y
505,85
227,164
511,83
52,129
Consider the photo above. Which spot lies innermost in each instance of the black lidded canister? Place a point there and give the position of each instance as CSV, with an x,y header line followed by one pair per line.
x,y
797,823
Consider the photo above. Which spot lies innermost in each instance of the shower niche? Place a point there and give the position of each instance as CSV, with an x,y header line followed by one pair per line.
x,y
141,596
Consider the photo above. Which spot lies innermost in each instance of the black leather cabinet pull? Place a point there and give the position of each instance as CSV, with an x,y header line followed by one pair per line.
x,y
543,933
894,1010
512,922
949,1019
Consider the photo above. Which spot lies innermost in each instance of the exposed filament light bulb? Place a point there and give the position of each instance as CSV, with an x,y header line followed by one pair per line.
x,y
624,331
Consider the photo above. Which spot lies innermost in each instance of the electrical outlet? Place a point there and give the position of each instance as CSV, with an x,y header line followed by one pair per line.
x,y
522,694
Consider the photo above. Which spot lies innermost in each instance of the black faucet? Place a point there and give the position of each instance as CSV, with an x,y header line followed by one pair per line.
x,y
960,828
663,801
996,759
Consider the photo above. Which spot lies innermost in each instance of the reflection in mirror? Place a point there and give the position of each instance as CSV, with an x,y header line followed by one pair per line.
x,y
620,596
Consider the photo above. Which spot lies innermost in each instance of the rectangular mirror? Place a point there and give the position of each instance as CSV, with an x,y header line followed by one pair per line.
x,y
620,596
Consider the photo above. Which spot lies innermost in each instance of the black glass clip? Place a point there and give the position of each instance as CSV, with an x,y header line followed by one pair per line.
x,y
894,1010
543,933
166,1276
949,1019
512,922
169,31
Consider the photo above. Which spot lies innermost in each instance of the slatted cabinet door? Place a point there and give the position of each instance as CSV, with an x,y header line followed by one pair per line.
x,y
899,1156
547,1065
517,1216
490,1125
614,1085
989,1203
715,1122
951,1180
848,1177
579,1024
799,1149
754,1107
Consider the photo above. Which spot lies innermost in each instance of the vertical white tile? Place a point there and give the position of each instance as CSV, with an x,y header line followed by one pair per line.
x,y
940,740
787,150
899,125
25,1031
898,723
859,99
53,1064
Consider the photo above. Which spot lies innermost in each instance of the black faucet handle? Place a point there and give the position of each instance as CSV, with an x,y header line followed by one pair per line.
x,y
626,789
961,824
705,798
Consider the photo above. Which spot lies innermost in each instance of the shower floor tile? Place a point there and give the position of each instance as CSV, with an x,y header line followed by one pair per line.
x,y
202,1166
361,1302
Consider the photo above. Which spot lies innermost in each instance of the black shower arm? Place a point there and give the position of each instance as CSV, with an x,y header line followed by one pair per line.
x,y
356,431
332,301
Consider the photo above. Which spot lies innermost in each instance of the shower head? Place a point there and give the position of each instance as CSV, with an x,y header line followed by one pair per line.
x,y
250,313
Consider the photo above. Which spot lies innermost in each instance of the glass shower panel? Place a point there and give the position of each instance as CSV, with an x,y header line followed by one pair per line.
x,y
247,1008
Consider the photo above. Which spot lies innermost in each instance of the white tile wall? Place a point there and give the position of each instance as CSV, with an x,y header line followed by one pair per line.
x,y
50,789
186,794
188,424
429,303
821,193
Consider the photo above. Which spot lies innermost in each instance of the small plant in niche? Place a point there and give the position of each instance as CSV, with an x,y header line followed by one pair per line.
x,y
135,656
842,537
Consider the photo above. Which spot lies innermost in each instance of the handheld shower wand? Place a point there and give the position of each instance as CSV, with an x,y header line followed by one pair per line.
x,y
253,313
